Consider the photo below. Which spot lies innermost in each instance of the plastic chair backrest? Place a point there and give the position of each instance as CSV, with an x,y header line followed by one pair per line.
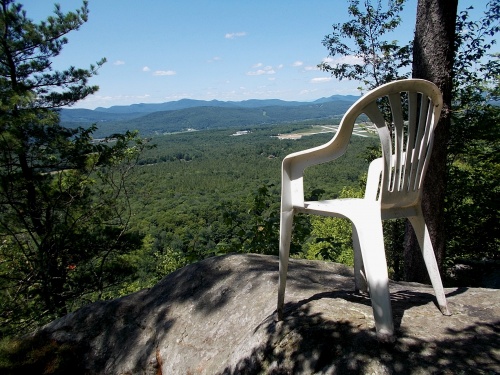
x,y
406,133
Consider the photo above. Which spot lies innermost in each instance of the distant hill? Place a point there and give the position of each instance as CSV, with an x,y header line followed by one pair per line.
x,y
347,98
88,115
198,114
167,106
192,103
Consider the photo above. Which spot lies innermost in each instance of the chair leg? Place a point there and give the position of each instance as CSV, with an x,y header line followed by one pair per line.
x,y
427,249
286,224
359,268
371,241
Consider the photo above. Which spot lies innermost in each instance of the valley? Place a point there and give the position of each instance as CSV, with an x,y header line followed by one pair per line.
x,y
203,193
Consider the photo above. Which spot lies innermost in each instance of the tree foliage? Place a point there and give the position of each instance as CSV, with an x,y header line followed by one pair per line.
x,y
226,197
362,53
474,164
64,212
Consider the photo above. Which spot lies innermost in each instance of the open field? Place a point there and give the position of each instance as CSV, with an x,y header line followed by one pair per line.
x,y
360,130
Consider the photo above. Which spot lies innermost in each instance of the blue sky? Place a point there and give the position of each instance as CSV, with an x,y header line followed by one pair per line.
x,y
166,50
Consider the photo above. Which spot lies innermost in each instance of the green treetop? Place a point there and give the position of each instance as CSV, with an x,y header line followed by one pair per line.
x,y
63,217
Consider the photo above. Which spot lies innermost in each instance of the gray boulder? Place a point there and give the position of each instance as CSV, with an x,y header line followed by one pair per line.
x,y
217,317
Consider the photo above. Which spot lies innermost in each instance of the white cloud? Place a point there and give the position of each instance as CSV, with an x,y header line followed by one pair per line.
x,y
306,92
177,96
146,69
119,62
265,70
328,60
297,63
310,68
258,65
351,59
321,79
235,35
164,73
256,72
214,59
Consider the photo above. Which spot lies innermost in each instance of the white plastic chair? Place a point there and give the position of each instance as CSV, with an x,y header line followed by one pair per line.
x,y
394,189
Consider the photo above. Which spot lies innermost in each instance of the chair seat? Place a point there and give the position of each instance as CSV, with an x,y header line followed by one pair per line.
x,y
346,206
336,207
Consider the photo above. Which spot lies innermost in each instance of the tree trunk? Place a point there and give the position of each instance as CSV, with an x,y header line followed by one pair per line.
x,y
433,55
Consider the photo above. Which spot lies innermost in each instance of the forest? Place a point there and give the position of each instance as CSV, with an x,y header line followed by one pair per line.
x,y
205,193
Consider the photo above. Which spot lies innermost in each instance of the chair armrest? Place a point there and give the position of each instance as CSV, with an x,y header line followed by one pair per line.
x,y
298,161
293,165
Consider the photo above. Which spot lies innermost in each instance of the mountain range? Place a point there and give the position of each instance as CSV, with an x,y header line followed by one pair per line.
x,y
158,118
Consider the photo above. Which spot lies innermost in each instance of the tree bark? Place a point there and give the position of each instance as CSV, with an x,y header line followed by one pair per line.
x,y
433,56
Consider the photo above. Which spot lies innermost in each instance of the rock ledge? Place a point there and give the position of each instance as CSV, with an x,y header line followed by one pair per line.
x,y
217,317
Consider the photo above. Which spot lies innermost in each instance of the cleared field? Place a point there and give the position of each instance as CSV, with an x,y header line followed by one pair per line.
x,y
360,130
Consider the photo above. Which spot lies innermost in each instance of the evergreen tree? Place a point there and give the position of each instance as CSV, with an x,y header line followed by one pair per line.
x,y
64,212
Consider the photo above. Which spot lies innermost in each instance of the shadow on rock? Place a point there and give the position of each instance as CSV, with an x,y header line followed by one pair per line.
x,y
306,343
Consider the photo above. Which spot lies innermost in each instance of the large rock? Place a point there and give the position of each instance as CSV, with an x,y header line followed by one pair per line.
x,y
217,317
